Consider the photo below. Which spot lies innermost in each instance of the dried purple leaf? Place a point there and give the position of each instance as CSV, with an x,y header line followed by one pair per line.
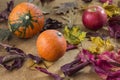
x,y
106,65
55,76
4,14
9,58
114,26
36,59
79,63
71,47
16,57
114,76
16,64
95,34
13,50
70,68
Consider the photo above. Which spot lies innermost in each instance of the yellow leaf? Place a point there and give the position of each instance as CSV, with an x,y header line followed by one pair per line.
x,y
111,10
74,35
100,45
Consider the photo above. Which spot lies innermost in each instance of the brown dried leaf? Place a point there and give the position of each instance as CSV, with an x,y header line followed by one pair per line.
x,y
66,7
45,1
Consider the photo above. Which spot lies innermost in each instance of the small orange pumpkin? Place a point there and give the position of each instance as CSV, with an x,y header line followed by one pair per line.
x,y
26,20
51,45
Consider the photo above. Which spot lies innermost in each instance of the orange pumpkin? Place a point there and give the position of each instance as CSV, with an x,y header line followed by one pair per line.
x,y
51,45
26,20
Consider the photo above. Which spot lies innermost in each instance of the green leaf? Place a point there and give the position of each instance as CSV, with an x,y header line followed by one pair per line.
x,y
74,35
5,34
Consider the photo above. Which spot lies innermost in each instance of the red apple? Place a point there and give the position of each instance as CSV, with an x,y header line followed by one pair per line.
x,y
94,17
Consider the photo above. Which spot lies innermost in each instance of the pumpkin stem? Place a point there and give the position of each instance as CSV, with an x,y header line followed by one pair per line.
x,y
59,34
27,17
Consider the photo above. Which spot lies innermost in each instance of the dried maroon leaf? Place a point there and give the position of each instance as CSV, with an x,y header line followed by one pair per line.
x,y
95,34
73,67
16,64
106,65
35,58
71,47
114,26
82,60
114,76
16,56
9,58
4,14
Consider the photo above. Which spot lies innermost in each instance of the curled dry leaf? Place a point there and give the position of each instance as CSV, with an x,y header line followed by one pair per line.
x,y
55,76
114,26
66,7
52,24
106,64
15,58
4,14
71,47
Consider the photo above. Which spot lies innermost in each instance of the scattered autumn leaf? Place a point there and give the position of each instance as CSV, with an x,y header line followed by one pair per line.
x,y
16,57
96,34
100,45
66,7
5,34
4,14
74,35
52,24
71,47
111,10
